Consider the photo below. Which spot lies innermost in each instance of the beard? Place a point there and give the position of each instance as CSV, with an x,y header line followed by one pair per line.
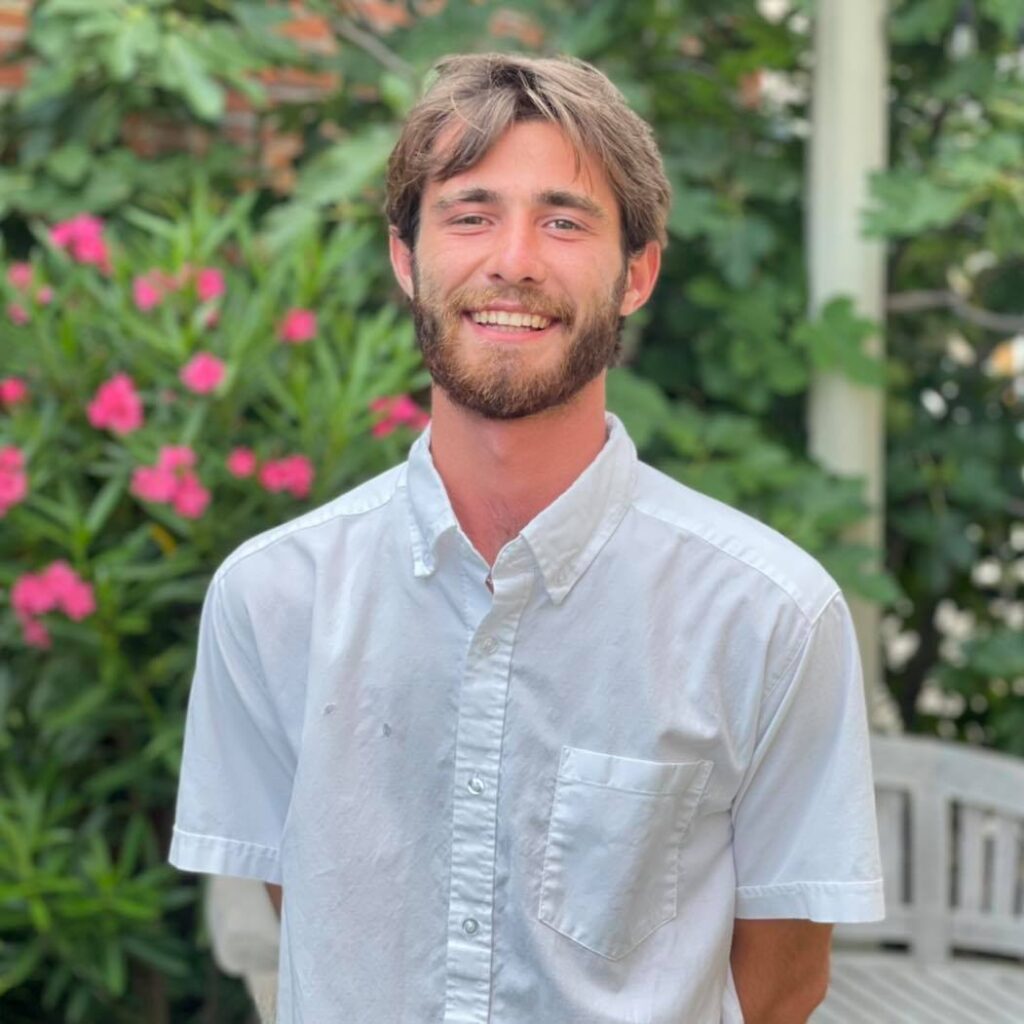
x,y
498,382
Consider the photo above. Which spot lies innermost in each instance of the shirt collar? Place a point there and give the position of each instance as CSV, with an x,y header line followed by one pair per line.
x,y
564,538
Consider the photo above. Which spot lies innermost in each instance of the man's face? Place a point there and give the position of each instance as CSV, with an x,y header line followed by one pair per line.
x,y
518,281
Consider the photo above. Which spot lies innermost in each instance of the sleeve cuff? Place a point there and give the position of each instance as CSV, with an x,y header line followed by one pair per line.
x,y
214,855
826,902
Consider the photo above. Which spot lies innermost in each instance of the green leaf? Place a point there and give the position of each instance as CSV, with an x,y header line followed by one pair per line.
x,y
694,212
115,974
1000,655
639,403
183,71
836,342
908,203
70,163
340,173
739,244
17,966
1008,14
917,20
104,503
854,568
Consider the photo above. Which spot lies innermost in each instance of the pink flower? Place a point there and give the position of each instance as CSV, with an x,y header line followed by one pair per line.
x,y
293,474
82,237
12,391
13,479
242,462
176,456
398,410
11,459
191,498
202,373
35,634
385,427
147,292
81,226
154,483
116,406
172,481
20,276
58,586
32,595
45,295
73,595
298,325
209,284
17,313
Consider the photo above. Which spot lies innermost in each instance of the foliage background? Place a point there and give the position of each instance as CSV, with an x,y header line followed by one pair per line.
x,y
93,925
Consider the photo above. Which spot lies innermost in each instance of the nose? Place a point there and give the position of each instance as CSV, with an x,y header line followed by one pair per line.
x,y
516,257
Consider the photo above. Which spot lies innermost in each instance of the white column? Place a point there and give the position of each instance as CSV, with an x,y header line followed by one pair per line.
x,y
848,141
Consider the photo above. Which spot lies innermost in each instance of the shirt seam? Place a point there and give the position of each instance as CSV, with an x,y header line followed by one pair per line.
x,y
255,668
749,890
791,662
737,558
317,518
272,851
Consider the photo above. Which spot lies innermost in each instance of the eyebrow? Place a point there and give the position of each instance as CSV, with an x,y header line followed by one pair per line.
x,y
550,197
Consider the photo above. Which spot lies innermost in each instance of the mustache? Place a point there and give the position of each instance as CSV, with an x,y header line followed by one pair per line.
x,y
462,300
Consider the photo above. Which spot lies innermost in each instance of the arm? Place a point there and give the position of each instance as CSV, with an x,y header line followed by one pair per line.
x,y
274,892
780,968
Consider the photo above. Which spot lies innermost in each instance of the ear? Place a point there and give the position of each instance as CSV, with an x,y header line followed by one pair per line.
x,y
641,275
401,261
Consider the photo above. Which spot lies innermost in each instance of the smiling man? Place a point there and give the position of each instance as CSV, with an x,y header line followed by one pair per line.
x,y
523,731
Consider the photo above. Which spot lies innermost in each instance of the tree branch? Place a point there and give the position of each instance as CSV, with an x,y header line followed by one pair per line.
x,y
915,302
369,43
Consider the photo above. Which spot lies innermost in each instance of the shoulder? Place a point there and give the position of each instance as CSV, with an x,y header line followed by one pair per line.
x,y
736,542
298,540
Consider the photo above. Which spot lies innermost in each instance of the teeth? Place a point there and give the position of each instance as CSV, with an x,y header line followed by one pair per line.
x,y
504,318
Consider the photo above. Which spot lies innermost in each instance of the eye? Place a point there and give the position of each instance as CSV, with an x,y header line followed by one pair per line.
x,y
564,224
470,220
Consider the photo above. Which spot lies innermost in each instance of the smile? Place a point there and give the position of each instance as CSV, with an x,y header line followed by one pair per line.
x,y
508,318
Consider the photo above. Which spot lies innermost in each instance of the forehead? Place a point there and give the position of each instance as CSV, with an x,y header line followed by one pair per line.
x,y
529,159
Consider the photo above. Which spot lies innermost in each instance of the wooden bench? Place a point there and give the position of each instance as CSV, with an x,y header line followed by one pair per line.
x,y
951,950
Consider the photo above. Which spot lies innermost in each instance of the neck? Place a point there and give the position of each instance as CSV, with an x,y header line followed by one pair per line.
x,y
499,474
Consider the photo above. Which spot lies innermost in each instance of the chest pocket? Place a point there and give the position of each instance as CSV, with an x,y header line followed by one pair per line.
x,y
611,865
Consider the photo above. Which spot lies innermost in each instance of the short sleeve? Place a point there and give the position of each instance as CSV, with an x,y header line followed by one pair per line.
x,y
237,764
805,835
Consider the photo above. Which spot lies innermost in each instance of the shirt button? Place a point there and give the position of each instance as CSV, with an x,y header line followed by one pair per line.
x,y
489,645
475,785
470,925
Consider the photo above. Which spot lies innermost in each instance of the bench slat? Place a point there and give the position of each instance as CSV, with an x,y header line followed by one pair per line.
x,y
870,987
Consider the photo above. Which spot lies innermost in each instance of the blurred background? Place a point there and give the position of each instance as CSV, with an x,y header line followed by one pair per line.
x,y
200,338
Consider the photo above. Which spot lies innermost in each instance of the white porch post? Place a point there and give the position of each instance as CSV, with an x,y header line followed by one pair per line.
x,y
849,140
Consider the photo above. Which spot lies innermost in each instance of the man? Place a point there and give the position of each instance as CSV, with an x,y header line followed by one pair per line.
x,y
526,732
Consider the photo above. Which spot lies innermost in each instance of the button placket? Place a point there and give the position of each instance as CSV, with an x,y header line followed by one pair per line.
x,y
481,724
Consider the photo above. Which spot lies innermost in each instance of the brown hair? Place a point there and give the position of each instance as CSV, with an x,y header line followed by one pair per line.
x,y
483,95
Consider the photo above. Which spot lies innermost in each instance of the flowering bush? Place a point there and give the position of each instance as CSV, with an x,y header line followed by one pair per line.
x,y
169,390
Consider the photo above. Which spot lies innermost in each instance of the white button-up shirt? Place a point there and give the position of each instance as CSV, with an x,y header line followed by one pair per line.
x,y
544,805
